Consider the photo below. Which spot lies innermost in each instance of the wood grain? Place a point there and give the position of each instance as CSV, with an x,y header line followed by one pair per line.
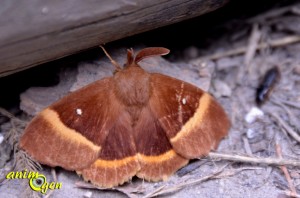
x,y
34,32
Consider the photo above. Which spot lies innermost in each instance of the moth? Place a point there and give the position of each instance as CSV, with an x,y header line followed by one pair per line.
x,y
133,123
267,85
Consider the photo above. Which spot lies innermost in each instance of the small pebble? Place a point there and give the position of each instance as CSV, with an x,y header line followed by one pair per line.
x,y
1,138
250,133
253,114
88,194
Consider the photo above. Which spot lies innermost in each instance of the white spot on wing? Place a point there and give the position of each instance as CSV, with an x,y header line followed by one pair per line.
x,y
180,119
183,101
79,112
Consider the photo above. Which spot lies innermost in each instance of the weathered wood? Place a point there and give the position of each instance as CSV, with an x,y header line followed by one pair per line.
x,y
33,32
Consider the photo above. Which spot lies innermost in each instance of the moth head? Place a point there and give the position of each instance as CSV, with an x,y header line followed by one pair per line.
x,y
132,60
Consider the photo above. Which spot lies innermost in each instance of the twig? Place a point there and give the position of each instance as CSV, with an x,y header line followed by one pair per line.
x,y
272,14
247,146
250,52
292,104
252,45
246,159
23,161
288,129
162,190
289,193
190,167
285,171
49,194
295,10
155,192
6,113
273,43
10,115
237,158
53,172
291,115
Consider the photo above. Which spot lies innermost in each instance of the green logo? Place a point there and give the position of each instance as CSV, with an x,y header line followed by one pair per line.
x,y
37,182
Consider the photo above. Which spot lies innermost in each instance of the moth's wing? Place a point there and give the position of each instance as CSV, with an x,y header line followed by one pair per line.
x,y
193,120
117,161
157,158
85,131
69,133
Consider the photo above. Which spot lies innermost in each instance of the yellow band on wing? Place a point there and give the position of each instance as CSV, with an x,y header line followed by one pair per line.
x,y
159,158
146,159
196,120
52,118
114,163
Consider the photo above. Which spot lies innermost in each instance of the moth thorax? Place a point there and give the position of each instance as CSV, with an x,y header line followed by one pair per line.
x,y
132,86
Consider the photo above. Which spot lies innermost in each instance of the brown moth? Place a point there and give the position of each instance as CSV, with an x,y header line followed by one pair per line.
x,y
133,123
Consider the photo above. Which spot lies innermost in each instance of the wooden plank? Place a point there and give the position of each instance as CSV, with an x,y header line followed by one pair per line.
x,y
33,32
